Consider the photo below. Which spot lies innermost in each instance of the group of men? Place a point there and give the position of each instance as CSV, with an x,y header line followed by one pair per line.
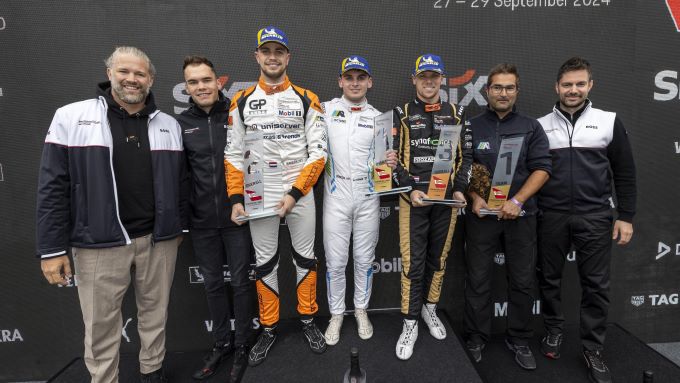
x,y
120,181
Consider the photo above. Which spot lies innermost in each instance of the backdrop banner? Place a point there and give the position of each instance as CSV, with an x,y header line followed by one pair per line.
x,y
52,54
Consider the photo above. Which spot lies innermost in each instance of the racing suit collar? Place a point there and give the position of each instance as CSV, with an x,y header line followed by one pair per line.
x,y
271,89
354,107
429,107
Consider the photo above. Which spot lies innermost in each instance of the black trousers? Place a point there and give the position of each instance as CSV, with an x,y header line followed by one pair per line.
x,y
425,241
590,234
213,248
483,235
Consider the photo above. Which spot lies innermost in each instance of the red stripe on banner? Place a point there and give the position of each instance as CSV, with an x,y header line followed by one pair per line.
x,y
674,8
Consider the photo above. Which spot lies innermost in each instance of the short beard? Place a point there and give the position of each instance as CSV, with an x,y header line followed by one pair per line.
x,y
119,90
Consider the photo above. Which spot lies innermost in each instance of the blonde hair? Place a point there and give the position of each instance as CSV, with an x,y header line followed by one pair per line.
x,y
130,51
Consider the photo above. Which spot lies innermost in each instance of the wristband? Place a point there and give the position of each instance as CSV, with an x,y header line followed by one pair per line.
x,y
516,202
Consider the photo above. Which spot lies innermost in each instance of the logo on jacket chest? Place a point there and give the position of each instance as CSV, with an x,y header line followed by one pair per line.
x,y
290,113
257,104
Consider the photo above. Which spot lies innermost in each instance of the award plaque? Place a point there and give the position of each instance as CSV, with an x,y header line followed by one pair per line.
x,y
485,212
506,164
380,179
441,168
253,187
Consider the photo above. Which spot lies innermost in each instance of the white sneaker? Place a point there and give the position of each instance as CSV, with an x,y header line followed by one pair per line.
x,y
407,339
429,313
364,326
332,334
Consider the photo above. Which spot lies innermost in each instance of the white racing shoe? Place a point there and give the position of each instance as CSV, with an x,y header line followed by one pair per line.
x,y
407,339
364,326
429,314
332,334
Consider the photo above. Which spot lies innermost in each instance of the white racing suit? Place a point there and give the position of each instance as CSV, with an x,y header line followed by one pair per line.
x,y
293,153
347,211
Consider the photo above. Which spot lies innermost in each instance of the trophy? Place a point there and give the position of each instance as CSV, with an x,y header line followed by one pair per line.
x,y
380,179
253,187
441,168
506,164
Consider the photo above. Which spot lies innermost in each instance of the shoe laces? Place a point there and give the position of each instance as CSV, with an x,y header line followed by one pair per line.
x,y
311,330
266,334
434,319
595,359
523,350
335,323
408,331
362,317
553,340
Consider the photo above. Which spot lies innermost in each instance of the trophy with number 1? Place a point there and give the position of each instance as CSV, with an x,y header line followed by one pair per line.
x,y
502,176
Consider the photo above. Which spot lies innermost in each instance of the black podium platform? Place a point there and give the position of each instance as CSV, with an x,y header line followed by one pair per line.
x,y
626,356
291,360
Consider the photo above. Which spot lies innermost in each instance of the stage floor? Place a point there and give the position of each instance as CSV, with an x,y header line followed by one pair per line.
x,y
626,356
290,359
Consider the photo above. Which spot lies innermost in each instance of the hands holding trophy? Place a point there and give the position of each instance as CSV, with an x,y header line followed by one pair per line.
x,y
384,158
492,198
441,171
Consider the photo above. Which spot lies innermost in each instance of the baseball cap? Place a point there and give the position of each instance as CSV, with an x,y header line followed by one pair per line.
x,y
354,62
271,34
428,62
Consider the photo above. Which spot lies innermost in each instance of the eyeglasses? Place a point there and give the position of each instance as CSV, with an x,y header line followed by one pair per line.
x,y
498,89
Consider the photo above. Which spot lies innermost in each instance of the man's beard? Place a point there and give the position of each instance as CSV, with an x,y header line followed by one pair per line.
x,y
119,90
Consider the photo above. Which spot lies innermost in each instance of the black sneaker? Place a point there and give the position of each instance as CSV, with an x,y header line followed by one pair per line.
x,y
599,373
265,341
523,355
154,377
315,338
550,345
475,350
240,364
212,360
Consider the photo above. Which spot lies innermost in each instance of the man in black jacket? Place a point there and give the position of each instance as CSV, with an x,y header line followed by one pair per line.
x,y
515,223
576,206
216,239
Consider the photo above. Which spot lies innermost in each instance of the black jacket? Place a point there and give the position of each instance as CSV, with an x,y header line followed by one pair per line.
x,y
488,131
415,140
205,136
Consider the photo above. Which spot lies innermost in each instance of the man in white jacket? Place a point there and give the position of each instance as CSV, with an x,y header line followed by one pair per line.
x,y
347,211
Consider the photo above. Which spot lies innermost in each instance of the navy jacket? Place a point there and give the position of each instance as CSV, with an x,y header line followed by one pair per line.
x,y
77,201
487,133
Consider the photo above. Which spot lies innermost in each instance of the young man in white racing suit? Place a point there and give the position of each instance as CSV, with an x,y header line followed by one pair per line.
x,y
347,210
293,146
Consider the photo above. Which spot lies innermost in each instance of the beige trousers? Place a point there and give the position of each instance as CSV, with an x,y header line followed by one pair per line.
x,y
103,276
